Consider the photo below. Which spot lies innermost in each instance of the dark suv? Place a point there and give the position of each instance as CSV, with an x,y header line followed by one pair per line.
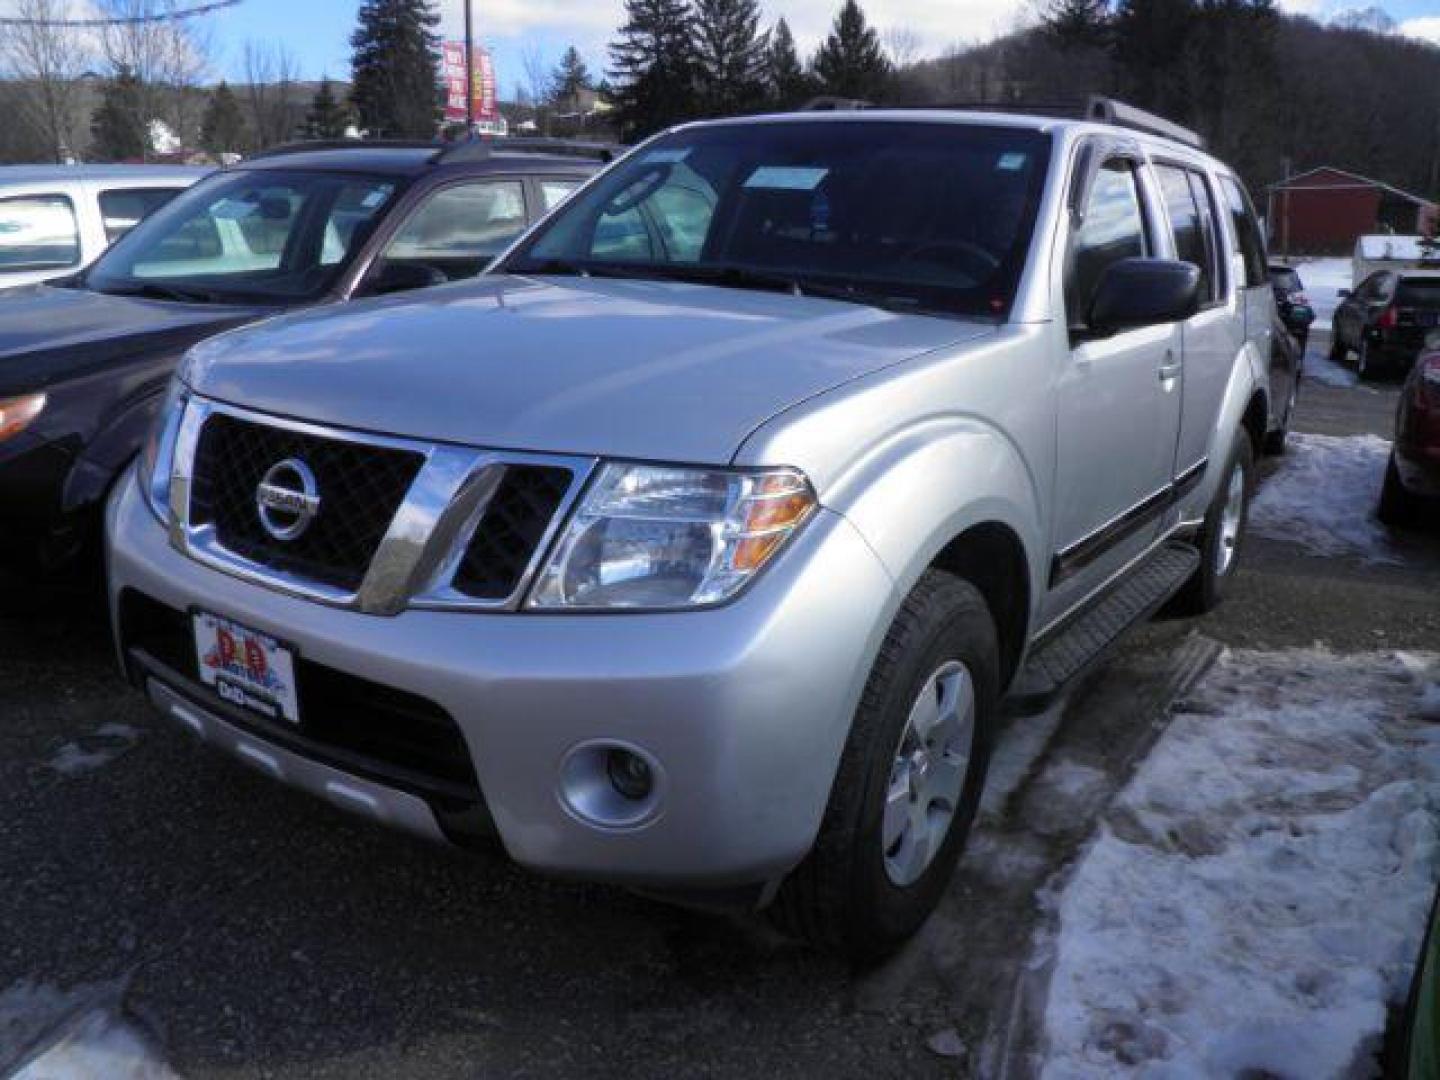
x,y
1385,320
83,366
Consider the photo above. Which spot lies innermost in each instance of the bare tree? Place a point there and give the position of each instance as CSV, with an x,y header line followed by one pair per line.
x,y
48,60
169,56
537,68
903,45
270,75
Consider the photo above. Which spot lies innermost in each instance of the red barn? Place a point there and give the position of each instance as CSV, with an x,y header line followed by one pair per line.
x,y
1321,212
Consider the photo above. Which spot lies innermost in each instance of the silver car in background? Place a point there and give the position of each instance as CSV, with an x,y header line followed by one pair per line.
x,y
55,220
695,547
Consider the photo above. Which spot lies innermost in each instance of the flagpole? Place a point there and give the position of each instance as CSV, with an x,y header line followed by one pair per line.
x,y
469,72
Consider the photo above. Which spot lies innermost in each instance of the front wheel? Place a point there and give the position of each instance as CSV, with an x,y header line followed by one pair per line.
x,y
909,781
1223,534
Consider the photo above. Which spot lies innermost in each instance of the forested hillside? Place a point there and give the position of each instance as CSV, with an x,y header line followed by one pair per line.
x,y
1262,87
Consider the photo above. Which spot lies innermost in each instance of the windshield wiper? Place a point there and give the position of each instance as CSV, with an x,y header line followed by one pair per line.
x,y
153,290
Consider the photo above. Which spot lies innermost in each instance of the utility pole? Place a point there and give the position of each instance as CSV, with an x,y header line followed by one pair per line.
x,y
469,71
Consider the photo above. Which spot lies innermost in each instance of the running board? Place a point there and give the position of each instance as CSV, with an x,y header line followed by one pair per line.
x,y
1078,645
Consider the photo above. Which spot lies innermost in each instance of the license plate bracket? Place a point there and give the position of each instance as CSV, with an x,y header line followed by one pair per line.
x,y
246,667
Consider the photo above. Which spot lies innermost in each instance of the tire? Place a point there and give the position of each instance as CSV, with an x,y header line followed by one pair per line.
x,y
1398,507
1205,591
845,896
1276,441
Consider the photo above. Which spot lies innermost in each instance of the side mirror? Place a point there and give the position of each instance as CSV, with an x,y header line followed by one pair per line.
x,y
1144,292
395,277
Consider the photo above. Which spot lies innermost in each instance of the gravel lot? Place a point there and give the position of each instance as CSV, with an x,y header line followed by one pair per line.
x,y
246,931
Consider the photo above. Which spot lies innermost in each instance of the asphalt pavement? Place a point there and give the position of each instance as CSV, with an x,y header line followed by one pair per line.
x,y
252,932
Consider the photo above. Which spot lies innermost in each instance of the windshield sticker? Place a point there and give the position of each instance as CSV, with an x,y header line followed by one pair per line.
x,y
1011,162
784,178
665,157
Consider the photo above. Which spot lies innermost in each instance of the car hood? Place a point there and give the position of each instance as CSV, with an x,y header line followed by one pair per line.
x,y
50,334
630,369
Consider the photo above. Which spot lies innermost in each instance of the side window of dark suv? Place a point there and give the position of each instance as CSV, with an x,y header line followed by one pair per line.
x,y
1113,228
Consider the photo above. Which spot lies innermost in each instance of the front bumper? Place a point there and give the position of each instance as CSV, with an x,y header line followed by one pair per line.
x,y
745,708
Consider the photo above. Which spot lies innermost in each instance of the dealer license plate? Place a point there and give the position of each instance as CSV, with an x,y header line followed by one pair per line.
x,y
247,668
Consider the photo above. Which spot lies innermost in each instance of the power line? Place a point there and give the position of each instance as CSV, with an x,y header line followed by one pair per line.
x,y
128,20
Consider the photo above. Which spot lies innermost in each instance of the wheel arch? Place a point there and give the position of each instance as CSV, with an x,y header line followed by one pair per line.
x,y
991,556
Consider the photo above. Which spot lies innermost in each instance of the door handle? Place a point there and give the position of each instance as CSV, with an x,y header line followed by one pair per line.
x,y
1171,369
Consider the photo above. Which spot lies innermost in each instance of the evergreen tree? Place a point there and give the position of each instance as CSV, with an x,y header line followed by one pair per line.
x,y
327,118
653,67
785,77
851,62
395,80
118,130
732,54
571,79
222,130
1078,23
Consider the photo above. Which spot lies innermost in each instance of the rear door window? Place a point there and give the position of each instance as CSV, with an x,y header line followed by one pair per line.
x,y
1192,222
38,232
553,192
124,208
1247,231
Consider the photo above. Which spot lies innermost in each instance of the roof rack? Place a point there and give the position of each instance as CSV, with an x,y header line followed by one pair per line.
x,y
481,149
304,146
1109,111
830,103
1101,110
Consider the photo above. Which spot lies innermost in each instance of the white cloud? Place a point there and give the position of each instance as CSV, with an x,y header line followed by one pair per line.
x,y
1427,28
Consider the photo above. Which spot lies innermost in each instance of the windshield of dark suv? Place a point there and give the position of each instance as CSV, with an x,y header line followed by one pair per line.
x,y
918,216
261,236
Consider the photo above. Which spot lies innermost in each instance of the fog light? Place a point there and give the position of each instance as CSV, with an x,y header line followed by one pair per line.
x,y
629,774
612,785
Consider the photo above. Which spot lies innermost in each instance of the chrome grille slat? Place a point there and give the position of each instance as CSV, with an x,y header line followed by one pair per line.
x,y
416,514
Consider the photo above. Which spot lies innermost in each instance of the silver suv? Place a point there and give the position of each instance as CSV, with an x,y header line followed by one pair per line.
x,y
695,547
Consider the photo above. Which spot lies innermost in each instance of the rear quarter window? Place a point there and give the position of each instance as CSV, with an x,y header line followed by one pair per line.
x,y
1418,293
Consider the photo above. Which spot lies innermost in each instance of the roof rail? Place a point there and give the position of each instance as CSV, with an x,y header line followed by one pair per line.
x,y
481,149
304,146
1109,111
830,103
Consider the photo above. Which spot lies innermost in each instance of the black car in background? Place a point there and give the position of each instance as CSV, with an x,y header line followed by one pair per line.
x,y
1292,303
1385,320
84,366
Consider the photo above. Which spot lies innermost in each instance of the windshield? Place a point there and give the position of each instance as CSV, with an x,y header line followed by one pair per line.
x,y
1287,280
934,218
258,236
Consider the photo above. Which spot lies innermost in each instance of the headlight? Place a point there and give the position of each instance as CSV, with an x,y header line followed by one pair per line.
x,y
649,536
17,414
157,459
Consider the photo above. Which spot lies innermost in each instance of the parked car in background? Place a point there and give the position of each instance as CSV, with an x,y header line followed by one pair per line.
x,y
694,545
1292,303
83,366
1383,323
1287,368
57,219
1412,477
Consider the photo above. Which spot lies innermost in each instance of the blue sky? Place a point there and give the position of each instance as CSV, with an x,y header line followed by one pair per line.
x,y
317,31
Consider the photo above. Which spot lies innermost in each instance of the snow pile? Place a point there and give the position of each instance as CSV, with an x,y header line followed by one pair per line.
x,y
1323,497
94,751
1322,369
1323,279
1258,892
73,1036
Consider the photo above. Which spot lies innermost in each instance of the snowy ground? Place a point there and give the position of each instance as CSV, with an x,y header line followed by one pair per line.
x,y
47,1034
1323,280
1257,893
1322,497
1321,368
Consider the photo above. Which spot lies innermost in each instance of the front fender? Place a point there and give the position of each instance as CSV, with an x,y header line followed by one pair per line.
x,y
921,489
